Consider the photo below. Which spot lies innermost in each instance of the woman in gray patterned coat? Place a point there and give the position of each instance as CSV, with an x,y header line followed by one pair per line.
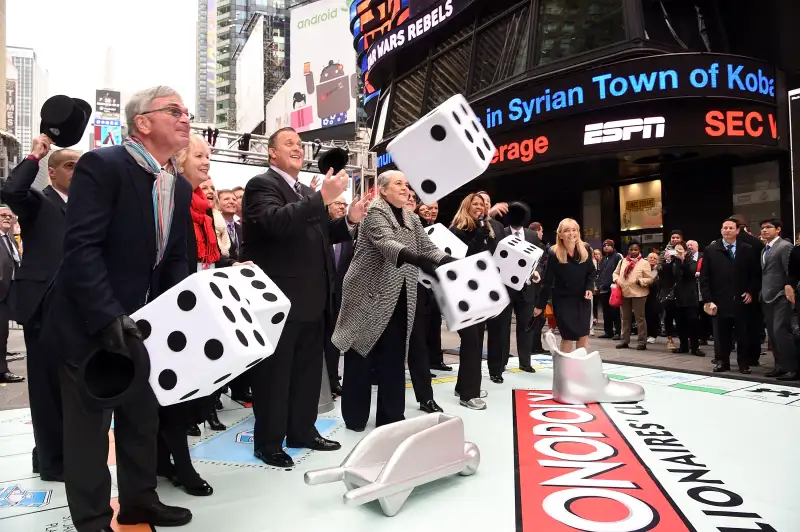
x,y
379,298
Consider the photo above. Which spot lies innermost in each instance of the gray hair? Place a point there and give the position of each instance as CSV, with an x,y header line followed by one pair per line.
x,y
141,102
385,177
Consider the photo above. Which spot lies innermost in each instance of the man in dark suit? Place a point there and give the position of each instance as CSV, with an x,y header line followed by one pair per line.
x,y
730,281
755,314
41,219
9,261
117,256
228,205
288,234
342,256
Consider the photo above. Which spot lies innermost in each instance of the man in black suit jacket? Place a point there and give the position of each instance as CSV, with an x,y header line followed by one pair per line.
x,y
288,234
730,281
755,316
118,256
41,219
9,261
228,206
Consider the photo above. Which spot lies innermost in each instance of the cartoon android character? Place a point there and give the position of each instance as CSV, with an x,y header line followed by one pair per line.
x,y
335,92
302,115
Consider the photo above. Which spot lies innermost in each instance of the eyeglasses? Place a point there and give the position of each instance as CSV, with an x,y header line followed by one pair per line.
x,y
339,203
176,112
6,215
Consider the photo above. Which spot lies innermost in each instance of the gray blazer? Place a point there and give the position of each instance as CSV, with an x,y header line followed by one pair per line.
x,y
373,281
775,270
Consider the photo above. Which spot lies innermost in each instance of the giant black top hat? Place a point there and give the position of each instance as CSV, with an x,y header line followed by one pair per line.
x,y
335,158
108,379
64,119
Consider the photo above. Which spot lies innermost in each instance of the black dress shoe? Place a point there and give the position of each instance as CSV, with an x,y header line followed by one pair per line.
x,y
317,444
775,373
433,375
497,379
246,398
193,430
358,429
719,368
275,459
429,407
10,378
682,351
622,346
698,353
789,376
442,367
156,514
641,347
527,369
745,371
197,488
214,423
336,389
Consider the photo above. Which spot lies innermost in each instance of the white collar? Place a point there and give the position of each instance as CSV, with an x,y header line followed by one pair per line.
x,y
286,177
63,196
773,241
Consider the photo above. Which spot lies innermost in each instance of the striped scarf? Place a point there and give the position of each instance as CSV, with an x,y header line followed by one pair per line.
x,y
163,191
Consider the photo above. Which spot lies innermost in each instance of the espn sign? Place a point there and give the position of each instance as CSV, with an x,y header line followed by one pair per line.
x,y
622,130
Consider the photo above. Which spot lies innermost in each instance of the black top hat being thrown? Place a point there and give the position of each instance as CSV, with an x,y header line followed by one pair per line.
x,y
335,158
64,119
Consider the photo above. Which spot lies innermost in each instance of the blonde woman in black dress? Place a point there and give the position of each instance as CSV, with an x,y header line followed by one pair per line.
x,y
569,277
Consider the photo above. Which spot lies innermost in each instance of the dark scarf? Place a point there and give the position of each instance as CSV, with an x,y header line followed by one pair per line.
x,y
207,248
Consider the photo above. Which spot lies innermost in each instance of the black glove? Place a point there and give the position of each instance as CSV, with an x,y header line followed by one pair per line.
x,y
112,337
446,260
406,256
427,266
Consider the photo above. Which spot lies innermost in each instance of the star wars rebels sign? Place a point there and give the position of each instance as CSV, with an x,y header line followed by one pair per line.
x,y
612,468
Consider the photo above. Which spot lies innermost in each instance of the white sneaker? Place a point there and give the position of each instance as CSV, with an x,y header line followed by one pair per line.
x,y
651,340
484,394
474,404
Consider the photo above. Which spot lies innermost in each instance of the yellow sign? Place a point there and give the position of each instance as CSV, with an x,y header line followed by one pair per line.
x,y
640,206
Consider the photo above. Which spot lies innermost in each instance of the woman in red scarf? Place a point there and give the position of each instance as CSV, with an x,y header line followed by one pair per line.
x,y
633,277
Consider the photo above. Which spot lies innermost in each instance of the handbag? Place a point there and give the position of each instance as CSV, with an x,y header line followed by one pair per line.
x,y
615,299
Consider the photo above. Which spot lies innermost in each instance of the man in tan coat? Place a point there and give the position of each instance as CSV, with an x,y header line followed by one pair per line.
x,y
633,277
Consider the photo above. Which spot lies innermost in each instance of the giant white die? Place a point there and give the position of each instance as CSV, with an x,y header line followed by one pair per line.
x,y
446,241
200,334
516,258
270,305
470,291
443,150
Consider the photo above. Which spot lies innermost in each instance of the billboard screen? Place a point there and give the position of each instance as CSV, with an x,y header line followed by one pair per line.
x,y
250,80
322,88
11,105
107,136
794,147
107,103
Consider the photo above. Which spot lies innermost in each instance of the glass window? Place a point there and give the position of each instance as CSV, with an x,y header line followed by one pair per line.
x,y
501,50
408,99
570,27
448,75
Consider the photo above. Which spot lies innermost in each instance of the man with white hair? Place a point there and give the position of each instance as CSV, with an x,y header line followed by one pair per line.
x,y
124,244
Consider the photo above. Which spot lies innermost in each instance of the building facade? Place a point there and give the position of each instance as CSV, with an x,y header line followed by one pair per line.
x,y
31,93
232,19
206,89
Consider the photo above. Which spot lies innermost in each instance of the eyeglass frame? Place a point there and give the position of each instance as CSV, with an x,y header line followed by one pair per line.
x,y
344,203
171,109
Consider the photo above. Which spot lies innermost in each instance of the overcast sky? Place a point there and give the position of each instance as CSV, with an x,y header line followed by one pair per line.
x,y
70,38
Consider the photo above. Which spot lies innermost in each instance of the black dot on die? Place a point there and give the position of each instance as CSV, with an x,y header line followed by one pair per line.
x,y
429,230
481,265
498,269
455,115
486,143
242,338
277,318
452,275
215,289
503,253
247,272
438,133
214,349
494,296
253,363
514,279
272,298
480,153
229,314
463,306
145,328
247,316
522,263
476,128
188,395
448,251
426,282
186,300
222,378
259,338
258,285
176,341
464,109
235,294
167,379
428,186
469,135
221,274
473,284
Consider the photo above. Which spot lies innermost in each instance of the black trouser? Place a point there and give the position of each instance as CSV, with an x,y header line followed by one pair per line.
x,y
470,358
779,327
44,395
536,334
522,308
172,443
704,326
240,386
612,319
418,360
5,316
332,353
670,318
286,387
497,345
687,327
755,323
725,327
433,331
387,358
652,316
88,483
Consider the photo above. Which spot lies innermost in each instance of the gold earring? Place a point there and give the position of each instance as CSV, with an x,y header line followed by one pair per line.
x,y
180,170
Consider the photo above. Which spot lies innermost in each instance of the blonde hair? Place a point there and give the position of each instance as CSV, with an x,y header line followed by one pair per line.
x,y
194,141
561,250
463,220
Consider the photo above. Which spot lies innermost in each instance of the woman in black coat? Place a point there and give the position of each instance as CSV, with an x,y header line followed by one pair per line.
x,y
680,273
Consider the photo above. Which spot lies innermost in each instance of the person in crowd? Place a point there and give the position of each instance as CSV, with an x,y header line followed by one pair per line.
x,y
10,259
432,212
391,250
537,324
667,296
522,301
683,276
433,325
470,225
570,277
41,217
652,307
228,207
238,192
342,253
279,213
777,308
755,316
421,210
633,279
118,255
730,280
703,320
612,324
597,258
223,238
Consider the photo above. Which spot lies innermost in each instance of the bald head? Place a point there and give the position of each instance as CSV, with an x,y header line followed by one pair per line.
x,y
60,165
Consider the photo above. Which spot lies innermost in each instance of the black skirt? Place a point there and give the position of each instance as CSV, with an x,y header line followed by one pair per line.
x,y
572,316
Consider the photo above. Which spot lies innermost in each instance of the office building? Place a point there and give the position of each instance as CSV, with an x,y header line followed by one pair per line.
x,y
31,93
205,86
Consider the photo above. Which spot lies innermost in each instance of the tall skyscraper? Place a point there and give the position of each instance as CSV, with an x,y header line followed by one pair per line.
x,y
205,86
232,16
31,94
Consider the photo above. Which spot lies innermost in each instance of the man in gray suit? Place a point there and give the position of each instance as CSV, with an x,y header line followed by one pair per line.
x,y
777,309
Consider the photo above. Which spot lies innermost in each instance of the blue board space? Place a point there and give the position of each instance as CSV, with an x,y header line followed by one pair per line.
x,y
236,443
